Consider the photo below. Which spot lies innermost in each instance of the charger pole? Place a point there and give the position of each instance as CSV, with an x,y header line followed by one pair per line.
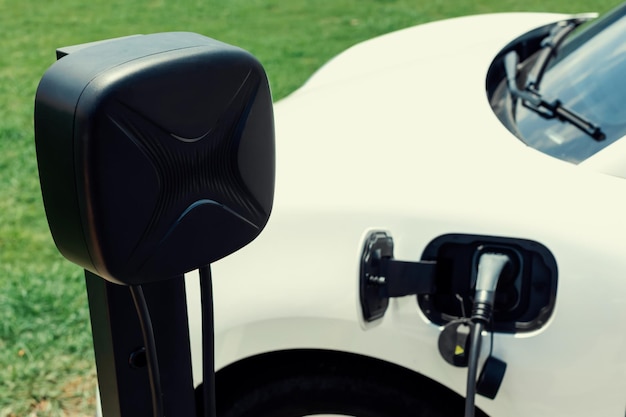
x,y
118,342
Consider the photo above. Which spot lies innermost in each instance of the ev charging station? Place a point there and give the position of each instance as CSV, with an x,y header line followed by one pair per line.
x,y
156,157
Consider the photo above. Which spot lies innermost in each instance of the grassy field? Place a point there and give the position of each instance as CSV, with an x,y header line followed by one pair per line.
x,y
46,359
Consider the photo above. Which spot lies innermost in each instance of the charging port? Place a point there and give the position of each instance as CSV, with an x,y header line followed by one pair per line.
x,y
526,292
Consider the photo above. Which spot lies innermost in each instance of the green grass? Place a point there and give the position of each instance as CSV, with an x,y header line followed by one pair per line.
x,y
46,359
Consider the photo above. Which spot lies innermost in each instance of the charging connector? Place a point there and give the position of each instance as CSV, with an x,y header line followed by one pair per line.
x,y
490,268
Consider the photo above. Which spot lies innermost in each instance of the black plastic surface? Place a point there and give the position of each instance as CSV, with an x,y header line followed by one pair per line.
x,y
155,154
383,277
491,377
453,342
378,245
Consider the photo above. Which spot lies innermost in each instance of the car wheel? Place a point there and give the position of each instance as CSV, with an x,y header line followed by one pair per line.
x,y
332,395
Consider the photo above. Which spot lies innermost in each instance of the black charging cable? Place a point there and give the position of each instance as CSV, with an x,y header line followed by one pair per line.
x,y
208,344
208,349
490,267
151,352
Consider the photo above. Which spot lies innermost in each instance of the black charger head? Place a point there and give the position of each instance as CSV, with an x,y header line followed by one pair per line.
x,y
155,154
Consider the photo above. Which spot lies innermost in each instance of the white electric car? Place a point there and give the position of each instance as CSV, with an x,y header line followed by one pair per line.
x,y
432,145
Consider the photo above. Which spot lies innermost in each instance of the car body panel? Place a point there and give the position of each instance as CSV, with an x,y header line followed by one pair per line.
x,y
397,134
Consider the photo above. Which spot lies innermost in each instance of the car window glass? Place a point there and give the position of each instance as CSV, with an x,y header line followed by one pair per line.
x,y
588,77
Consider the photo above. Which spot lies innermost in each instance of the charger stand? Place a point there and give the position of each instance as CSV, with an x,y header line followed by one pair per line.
x,y
155,155
118,346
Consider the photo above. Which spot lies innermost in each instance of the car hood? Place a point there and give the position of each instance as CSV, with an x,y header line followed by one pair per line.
x,y
403,111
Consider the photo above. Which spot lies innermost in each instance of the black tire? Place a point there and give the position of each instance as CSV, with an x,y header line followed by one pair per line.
x,y
306,395
300,383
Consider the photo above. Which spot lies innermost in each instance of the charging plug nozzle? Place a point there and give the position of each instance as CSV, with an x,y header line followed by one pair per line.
x,y
490,267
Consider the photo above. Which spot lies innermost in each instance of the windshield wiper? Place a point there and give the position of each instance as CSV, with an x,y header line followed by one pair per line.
x,y
549,45
530,96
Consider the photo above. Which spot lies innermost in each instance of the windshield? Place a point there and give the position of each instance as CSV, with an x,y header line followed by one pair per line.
x,y
588,76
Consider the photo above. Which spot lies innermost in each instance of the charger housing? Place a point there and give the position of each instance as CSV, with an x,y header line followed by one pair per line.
x,y
155,153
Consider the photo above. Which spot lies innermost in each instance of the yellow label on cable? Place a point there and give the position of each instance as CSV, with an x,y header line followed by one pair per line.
x,y
459,350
